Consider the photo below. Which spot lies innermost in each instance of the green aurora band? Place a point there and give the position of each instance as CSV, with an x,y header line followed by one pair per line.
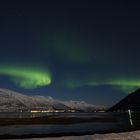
x,y
126,85
28,78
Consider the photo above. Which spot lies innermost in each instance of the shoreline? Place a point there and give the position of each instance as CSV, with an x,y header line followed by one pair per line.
x,y
59,135
54,120
134,135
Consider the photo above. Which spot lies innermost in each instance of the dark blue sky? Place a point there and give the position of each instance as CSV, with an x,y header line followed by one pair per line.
x,y
70,50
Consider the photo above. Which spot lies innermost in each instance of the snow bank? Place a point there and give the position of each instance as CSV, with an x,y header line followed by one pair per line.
x,y
134,135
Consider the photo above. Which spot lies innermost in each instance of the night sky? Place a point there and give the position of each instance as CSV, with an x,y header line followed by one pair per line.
x,y
70,50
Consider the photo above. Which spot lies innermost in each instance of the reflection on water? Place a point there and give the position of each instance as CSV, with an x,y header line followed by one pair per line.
x,y
48,129
40,114
69,128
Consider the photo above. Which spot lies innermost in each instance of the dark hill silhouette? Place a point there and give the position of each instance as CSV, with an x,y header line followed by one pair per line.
x,y
132,101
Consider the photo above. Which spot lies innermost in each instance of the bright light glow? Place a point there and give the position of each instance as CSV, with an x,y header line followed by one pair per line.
x,y
27,78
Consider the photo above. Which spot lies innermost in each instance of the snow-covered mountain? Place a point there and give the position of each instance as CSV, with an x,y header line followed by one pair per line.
x,y
13,101
83,106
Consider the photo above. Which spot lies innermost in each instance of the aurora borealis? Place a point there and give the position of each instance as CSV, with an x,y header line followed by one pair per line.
x,y
126,85
27,78
69,50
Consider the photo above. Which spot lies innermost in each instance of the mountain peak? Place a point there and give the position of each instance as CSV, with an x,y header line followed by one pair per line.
x,y
132,101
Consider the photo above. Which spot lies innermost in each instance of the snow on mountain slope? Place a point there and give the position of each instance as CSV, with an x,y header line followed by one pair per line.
x,y
82,106
13,101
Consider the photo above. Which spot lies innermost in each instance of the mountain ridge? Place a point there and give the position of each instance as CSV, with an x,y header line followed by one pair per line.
x,y
11,101
132,101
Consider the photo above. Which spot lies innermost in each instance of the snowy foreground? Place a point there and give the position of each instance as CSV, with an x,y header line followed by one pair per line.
x,y
135,135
